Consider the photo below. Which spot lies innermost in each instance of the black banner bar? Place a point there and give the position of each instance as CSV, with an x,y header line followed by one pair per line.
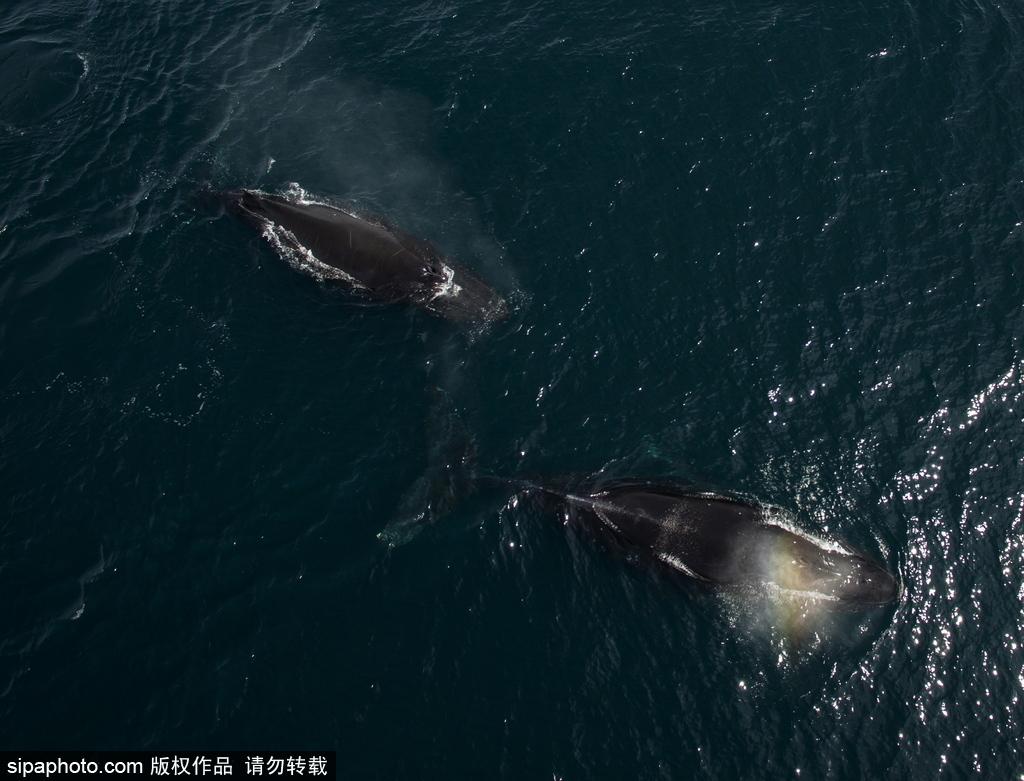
x,y
129,765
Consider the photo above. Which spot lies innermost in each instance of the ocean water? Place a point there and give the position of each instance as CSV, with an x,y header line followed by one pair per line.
x,y
770,248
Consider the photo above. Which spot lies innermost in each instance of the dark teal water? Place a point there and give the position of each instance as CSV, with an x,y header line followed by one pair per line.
x,y
769,247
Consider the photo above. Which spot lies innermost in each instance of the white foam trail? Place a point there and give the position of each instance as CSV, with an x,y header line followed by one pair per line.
x,y
302,258
448,286
297,194
775,516
676,563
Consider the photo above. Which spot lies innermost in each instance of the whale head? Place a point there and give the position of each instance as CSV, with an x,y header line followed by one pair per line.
x,y
859,581
460,296
805,566
845,579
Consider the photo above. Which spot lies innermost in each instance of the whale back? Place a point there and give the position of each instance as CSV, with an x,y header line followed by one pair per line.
x,y
377,257
726,540
703,535
369,255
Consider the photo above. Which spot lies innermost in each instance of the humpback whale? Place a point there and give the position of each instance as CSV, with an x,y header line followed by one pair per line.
x,y
367,255
722,540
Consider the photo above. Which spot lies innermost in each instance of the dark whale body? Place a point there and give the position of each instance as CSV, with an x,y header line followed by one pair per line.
x,y
367,255
723,540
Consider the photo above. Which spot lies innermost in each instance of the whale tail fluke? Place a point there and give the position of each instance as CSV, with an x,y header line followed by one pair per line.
x,y
208,200
444,483
515,483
